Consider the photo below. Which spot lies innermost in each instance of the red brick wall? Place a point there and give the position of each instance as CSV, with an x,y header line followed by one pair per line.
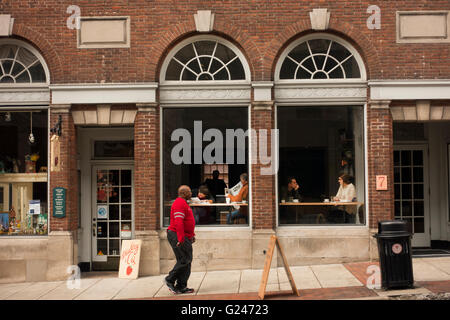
x,y
67,177
146,170
260,28
263,186
381,162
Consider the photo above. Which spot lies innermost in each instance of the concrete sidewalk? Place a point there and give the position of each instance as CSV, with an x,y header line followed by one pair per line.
x,y
332,281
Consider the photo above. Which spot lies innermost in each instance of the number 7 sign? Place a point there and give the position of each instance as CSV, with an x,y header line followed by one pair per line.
x,y
382,182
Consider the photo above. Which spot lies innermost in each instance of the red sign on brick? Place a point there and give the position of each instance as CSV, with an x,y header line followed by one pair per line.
x,y
382,182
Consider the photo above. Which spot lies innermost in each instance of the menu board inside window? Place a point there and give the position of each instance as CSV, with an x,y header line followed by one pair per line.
x,y
114,149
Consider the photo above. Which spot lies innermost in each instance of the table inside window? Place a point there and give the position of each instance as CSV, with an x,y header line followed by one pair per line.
x,y
229,205
334,203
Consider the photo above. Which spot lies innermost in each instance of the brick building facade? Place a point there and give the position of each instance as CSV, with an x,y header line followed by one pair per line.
x,y
111,78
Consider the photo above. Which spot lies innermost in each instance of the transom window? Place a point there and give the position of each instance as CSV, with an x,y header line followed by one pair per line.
x,y
205,60
316,59
20,65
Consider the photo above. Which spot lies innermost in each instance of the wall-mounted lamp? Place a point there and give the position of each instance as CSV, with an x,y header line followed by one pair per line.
x,y
57,128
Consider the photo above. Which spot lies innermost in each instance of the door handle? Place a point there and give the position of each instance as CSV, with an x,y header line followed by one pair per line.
x,y
93,229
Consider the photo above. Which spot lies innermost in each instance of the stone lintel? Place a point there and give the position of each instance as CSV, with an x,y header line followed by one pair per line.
x,y
59,108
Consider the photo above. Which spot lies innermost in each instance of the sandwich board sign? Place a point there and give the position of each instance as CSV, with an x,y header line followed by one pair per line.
x,y
129,259
265,277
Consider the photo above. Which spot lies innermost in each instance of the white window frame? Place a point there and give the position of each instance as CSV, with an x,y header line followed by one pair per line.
x,y
161,175
287,227
193,39
321,36
34,51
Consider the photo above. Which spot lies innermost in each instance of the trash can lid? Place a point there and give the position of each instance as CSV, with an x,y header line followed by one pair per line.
x,y
393,226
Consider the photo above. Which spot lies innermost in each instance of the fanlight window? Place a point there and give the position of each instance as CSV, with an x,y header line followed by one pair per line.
x,y
319,59
205,60
19,65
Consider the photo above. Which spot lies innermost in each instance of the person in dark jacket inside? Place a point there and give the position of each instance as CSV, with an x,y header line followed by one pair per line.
x,y
215,185
291,191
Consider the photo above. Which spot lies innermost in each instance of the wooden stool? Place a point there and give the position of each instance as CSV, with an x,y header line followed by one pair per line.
x,y
320,219
223,217
241,220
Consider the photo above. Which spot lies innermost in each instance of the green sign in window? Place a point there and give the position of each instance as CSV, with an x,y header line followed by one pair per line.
x,y
59,202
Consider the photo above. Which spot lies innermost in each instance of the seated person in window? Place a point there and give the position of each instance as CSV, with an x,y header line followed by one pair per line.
x,y
202,214
204,193
346,193
215,185
291,191
242,212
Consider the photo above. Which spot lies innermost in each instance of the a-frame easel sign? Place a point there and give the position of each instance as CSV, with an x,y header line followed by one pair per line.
x,y
265,276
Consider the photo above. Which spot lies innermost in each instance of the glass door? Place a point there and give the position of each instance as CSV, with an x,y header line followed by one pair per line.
x,y
411,191
112,214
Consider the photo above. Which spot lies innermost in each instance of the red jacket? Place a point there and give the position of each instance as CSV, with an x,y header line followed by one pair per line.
x,y
182,220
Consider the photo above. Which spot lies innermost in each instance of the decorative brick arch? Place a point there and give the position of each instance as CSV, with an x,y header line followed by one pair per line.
x,y
43,46
342,29
187,29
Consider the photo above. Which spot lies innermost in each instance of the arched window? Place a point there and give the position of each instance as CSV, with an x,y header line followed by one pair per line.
x,y
320,58
21,64
205,59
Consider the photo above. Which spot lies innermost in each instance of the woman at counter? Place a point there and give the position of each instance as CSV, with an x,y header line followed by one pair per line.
x,y
346,193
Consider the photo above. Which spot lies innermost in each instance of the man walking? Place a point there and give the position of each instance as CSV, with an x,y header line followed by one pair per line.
x,y
181,236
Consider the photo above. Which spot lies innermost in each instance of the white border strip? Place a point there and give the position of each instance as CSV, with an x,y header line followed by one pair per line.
x,y
104,93
409,89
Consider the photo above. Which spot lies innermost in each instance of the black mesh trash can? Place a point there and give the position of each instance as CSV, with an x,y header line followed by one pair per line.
x,y
394,248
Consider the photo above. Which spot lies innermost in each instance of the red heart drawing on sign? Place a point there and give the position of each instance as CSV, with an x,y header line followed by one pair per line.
x,y
129,270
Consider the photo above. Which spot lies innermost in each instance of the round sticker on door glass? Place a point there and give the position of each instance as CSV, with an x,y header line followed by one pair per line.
x,y
102,212
397,248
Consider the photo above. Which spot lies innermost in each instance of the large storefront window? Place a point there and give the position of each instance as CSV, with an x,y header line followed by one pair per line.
x,y
321,171
23,172
207,149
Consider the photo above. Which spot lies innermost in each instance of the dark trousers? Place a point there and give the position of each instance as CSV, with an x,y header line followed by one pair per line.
x,y
182,269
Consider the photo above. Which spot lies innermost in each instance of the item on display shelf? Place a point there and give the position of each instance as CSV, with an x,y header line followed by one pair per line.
x,y
43,169
35,207
29,224
2,167
35,157
4,221
12,214
30,166
16,164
